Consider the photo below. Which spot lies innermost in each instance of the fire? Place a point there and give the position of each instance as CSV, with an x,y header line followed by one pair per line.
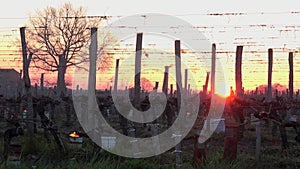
x,y
74,134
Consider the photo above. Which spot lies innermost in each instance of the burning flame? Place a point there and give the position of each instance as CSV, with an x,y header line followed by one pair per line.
x,y
74,134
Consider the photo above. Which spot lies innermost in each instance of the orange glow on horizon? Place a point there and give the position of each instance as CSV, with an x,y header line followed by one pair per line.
x,y
254,70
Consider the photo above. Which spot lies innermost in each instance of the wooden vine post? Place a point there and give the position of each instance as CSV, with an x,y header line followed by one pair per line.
x,y
213,69
206,84
177,134
270,66
212,80
27,86
137,88
238,71
92,103
232,128
137,76
239,83
186,81
165,82
42,84
116,76
230,139
200,148
291,76
171,90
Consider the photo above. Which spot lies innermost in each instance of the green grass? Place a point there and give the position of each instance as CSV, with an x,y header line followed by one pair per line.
x,y
272,157
102,164
47,155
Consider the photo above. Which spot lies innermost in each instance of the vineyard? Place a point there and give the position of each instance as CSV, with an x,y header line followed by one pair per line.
x,y
55,121
150,94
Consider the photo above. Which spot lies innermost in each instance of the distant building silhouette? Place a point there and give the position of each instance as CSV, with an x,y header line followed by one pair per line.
x,y
10,83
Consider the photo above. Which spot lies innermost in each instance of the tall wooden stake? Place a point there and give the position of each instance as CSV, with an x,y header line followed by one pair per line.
x,y
20,84
258,141
206,84
35,90
238,71
92,104
186,80
137,79
171,90
42,84
116,76
156,86
270,62
291,76
200,148
207,80
177,135
166,78
178,71
27,84
213,69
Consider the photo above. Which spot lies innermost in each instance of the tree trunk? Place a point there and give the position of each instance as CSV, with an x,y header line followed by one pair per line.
x,y
61,85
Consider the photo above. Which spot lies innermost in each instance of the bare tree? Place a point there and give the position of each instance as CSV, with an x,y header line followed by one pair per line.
x,y
58,38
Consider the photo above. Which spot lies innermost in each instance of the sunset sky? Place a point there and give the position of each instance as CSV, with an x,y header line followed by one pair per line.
x,y
255,24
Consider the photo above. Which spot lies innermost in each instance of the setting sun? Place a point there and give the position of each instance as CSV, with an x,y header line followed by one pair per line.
x,y
224,92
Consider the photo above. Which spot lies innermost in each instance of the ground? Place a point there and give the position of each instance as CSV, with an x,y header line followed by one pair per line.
x,y
272,156
48,155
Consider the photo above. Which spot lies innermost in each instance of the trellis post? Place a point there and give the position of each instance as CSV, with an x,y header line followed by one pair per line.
x,y
116,76
42,84
291,76
165,83
213,68
238,71
177,134
270,65
92,103
137,79
27,84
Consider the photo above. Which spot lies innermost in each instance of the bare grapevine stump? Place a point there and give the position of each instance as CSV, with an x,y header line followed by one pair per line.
x,y
230,141
199,152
